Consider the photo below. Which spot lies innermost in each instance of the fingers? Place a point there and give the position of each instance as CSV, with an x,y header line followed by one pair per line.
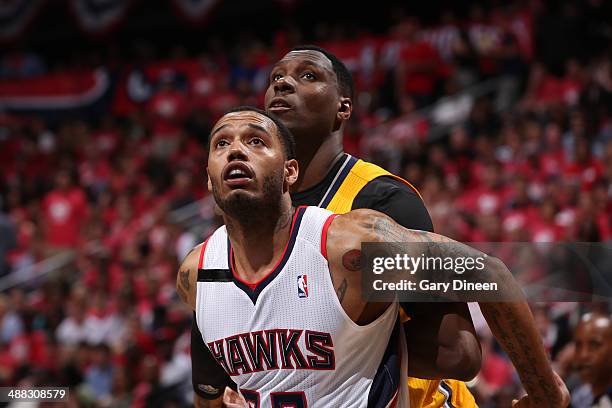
x,y
231,399
522,403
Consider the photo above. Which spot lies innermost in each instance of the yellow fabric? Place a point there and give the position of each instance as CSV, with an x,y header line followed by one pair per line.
x,y
423,393
426,394
360,175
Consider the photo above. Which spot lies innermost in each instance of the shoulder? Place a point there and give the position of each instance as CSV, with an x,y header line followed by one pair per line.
x,y
397,200
187,276
356,226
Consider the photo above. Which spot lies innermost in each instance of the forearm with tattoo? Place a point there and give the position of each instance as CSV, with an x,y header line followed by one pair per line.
x,y
514,328
511,322
399,240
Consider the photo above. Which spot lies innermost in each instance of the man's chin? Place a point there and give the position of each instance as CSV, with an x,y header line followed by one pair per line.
x,y
238,202
286,116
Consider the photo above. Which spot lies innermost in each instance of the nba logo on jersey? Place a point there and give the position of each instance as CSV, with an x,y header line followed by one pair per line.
x,y
302,284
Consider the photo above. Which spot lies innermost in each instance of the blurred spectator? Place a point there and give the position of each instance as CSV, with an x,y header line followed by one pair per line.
x,y
64,211
8,241
593,359
419,65
99,375
74,329
10,322
496,371
502,119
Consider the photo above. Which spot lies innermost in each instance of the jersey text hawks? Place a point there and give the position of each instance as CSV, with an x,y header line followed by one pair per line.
x,y
274,350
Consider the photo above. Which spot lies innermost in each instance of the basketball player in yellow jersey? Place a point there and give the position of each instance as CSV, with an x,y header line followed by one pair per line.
x,y
311,92
340,183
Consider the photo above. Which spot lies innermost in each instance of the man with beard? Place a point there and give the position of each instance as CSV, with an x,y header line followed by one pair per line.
x,y
593,357
261,290
311,92
265,287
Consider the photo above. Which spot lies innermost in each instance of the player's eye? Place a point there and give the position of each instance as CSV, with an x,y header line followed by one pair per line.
x,y
276,77
221,143
309,75
256,141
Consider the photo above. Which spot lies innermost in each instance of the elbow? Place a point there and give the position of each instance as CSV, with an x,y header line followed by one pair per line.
x,y
509,288
463,361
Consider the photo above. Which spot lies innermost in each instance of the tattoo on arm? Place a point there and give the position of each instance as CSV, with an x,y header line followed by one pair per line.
x,y
511,323
341,291
429,245
351,260
184,279
183,287
531,365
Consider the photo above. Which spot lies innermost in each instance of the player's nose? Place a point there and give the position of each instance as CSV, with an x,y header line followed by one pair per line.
x,y
284,85
237,151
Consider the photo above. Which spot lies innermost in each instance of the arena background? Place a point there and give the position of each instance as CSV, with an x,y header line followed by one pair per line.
x,y
499,112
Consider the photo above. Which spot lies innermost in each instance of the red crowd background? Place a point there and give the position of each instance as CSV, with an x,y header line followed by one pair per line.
x,y
499,114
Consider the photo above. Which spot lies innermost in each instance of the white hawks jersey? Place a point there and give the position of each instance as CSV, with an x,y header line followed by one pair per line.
x,y
286,340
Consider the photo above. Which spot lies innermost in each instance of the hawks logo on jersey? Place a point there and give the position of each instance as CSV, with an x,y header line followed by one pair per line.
x,y
273,350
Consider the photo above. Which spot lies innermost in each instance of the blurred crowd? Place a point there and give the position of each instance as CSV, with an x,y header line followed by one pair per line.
x,y
507,139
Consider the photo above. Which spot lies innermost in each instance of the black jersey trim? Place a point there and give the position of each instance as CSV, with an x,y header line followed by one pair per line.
x,y
214,275
387,380
329,195
449,398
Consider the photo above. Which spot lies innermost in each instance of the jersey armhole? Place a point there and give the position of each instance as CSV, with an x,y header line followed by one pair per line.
x,y
202,250
324,234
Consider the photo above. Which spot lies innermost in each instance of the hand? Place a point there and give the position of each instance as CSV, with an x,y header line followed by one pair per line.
x,y
525,401
231,399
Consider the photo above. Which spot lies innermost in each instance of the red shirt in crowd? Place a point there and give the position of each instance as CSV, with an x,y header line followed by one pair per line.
x,y
168,108
64,213
419,81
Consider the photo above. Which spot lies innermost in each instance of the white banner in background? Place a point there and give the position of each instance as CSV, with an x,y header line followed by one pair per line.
x,y
99,16
194,10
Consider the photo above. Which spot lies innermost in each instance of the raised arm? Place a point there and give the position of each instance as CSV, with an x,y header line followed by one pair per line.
x,y
512,322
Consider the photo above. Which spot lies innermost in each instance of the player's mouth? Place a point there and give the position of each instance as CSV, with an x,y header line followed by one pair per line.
x,y
585,371
237,174
279,105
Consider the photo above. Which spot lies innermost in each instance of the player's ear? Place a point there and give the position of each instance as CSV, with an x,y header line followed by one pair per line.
x,y
291,172
208,183
345,108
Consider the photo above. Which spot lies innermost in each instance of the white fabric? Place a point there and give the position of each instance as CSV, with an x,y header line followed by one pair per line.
x,y
224,310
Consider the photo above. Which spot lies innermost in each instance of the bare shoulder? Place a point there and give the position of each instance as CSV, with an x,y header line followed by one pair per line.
x,y
347,231
364,225
187,277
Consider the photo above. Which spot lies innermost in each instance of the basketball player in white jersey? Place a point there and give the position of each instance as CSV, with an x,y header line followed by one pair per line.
x,y
263,286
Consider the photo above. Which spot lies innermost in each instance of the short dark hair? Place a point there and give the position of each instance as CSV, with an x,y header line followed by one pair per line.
x,y
345,79
286,137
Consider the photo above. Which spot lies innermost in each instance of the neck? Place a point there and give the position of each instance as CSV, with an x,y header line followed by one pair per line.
x,y
600,387
258,245
316,161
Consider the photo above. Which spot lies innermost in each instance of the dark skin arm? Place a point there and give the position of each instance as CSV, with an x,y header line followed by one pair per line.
x,y
186,280
199,402
440,336
442,340
512,323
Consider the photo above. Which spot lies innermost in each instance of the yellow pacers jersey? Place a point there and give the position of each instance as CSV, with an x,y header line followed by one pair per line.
x,y
350,179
